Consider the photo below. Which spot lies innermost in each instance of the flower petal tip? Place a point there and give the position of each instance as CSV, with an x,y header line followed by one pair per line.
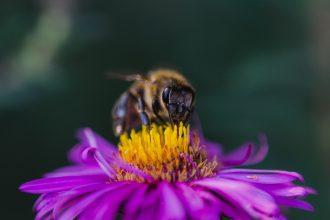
x,y
299,176
22,187
308,207
26,187
310,190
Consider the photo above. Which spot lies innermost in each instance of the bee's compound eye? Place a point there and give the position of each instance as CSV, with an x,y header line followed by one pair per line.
x,y
166,94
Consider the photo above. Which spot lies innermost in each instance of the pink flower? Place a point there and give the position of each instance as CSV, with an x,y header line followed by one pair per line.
x,y
164,173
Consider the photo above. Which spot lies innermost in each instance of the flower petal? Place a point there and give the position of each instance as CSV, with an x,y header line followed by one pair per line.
x,y
106,207
44,216
238,156
149,208
192,200
261,153
223,207
254,201
104,164
76,202
195,205
91,139
71,212
102,149
260,176
135,202
294,203
45,200
170,205
236,160
287,190
45,208
54,184
75,155
49,202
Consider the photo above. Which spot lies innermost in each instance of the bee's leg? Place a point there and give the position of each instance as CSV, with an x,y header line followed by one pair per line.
x,y
156,109
142,111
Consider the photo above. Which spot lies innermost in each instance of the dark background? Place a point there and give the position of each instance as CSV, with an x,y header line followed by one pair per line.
x,y
258,66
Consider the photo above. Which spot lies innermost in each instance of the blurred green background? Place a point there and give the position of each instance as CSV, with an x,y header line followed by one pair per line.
x,y
258,66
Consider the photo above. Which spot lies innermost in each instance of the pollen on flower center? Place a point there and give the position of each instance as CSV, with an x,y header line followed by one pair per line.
x,y
154,146
165,152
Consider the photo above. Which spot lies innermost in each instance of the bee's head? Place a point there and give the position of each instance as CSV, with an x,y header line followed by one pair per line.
x,y
179,102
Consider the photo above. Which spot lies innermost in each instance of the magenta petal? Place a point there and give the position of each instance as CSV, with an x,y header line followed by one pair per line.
x,y
236,160
53,184
195,205
46,207
45,200
104,164
239,156
70,198
254,201
91,139
74,210
259,155
223,207
55,200
97,148
294,203
135,202
192,200
149,208
150,204
287,190
106,207
75,155
74,202
171,206
45,214
281,217
52,200
261,176
148,213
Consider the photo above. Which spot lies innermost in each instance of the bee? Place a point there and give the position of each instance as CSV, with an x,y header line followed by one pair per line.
x,y
162,96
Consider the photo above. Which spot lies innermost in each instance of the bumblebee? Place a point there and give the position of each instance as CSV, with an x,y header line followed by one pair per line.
x,y
162,96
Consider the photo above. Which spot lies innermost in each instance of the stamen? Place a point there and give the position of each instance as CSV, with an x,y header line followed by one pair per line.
x,y
165,152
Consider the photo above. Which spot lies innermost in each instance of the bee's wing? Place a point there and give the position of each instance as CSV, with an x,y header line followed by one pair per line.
x,y
124,114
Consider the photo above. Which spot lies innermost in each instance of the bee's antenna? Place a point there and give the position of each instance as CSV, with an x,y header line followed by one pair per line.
x,y
125,77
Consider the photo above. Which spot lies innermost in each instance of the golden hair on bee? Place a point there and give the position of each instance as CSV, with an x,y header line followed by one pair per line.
x,y
162,96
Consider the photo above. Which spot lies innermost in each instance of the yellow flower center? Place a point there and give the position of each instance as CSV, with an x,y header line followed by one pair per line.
x,y
164,152
154,146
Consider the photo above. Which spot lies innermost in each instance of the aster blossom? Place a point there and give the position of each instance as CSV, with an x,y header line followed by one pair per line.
x,y
165,172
